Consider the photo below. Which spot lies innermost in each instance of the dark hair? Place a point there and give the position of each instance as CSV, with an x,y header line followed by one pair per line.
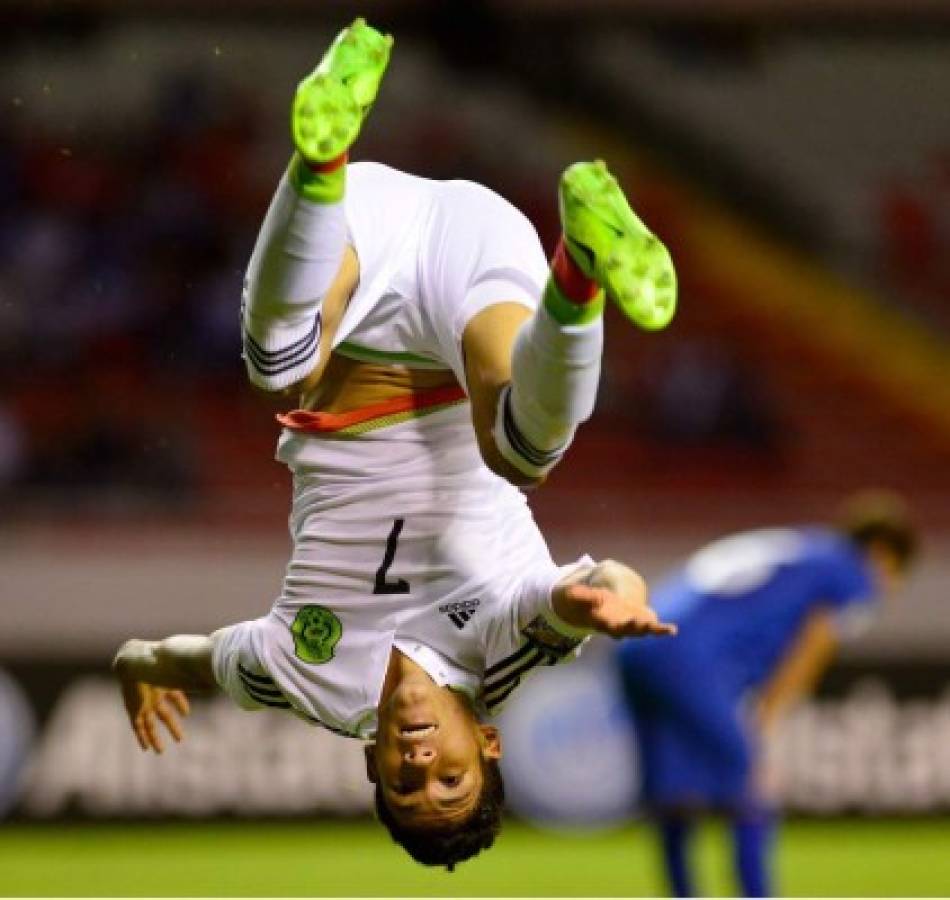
x,y
447,846
880,518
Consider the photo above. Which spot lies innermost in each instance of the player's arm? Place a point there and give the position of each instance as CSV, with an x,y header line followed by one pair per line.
x,y
609,598
154,676
800,669
487,344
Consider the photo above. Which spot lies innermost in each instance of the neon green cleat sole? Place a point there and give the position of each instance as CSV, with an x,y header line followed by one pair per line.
x,y
614,248
332,101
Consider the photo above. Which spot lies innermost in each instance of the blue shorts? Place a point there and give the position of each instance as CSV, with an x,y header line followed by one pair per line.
x,y
694,748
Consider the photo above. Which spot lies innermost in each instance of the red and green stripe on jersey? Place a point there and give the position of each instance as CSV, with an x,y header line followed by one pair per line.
x,y
377,415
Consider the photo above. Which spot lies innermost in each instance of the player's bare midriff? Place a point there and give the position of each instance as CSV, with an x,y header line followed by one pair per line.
x,y
339,384
348,384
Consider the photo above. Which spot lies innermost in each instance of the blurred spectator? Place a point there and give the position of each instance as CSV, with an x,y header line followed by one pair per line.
x,y
12,450
914,224
698,393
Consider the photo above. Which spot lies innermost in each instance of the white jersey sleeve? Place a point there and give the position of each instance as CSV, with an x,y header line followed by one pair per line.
x,y
432,255
526,635
238,670
480,251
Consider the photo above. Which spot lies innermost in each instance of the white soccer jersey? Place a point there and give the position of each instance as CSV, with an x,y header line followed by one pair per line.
x,y
402,538
432,254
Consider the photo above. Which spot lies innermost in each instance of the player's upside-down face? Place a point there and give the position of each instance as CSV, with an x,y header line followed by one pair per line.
x,y
428,754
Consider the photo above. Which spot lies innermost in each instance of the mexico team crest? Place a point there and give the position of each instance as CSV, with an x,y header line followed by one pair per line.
x,y
316,632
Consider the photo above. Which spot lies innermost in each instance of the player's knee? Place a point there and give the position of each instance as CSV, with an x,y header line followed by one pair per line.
x,y
280,352
493,458
528,445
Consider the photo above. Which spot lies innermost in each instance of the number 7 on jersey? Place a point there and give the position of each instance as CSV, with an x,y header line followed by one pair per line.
x,y
400,585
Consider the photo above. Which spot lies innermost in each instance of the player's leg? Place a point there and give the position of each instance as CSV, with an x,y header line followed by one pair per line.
x,y
604,250
753,832
611,247
720,743
667,784
697,755
675,832
721,738
670,781
303,238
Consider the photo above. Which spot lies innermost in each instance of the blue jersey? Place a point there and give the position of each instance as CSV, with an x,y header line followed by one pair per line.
x,y
740,602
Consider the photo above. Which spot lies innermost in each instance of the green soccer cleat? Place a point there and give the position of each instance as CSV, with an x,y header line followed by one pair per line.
x,y
332,101
614,248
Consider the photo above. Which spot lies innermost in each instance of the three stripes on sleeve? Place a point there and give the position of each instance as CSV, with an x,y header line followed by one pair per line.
x,y
262,689
503,677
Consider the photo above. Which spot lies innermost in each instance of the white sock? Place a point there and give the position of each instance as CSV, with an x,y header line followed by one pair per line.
x,y
555,370
298,254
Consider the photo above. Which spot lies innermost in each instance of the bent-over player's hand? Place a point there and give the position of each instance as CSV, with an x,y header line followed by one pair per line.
x,y
609,598
147,705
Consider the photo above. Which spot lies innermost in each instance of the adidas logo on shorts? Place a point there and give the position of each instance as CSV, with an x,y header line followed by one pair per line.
x,y
460,612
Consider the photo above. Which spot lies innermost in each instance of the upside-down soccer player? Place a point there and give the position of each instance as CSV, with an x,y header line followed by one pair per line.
x,y
759,616
440,362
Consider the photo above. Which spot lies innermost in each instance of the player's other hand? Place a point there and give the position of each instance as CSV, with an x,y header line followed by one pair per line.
x,y
147,706
609,598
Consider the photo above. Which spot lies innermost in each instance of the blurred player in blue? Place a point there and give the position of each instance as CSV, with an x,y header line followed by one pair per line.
x,y
760,615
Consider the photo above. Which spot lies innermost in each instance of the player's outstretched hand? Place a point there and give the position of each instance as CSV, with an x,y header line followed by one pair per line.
x,y
609,598
147,705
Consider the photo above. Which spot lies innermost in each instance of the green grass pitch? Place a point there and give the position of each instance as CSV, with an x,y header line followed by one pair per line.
x,y
866,858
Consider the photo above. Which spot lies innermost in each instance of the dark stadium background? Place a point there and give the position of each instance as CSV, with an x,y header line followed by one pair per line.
x,y
795,156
